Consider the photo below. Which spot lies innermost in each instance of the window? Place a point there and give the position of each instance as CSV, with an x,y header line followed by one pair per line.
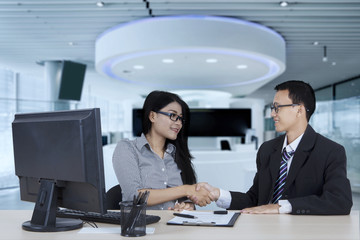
x,y
339,120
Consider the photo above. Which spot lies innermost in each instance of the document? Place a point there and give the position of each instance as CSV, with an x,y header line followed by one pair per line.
x,y
205,219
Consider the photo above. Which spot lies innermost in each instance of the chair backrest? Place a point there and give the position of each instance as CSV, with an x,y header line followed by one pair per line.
x,y
113,198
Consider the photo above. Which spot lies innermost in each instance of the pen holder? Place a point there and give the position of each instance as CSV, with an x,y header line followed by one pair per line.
x,y
133,219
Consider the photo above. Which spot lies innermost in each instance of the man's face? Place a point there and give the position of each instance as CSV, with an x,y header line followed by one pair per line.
x,y
286,117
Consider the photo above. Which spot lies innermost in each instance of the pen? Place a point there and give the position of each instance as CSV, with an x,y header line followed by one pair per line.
x,y
184,215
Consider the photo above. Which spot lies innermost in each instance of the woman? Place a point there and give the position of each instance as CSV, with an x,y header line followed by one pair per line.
x,y
159,161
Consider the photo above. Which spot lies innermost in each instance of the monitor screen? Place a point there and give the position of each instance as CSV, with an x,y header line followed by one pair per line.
x,y
225,122
71,80
59,161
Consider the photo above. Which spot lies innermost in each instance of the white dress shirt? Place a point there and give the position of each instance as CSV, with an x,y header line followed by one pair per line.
x,y
224,199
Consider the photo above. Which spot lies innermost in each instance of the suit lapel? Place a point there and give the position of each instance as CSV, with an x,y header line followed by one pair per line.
x,y
301,154
275,159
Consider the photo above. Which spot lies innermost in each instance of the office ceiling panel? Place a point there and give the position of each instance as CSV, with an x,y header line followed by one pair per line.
x,y
40,30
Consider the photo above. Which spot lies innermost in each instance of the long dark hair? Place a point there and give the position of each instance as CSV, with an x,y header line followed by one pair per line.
x,y
155,101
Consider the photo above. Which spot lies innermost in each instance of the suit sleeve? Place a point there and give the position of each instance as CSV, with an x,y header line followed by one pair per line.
x,y
336,198
241,200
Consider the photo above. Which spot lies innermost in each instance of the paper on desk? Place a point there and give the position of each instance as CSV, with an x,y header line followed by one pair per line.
x,y
110,230
203,217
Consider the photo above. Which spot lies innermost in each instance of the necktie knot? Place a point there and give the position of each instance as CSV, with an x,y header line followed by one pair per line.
x,y
287,155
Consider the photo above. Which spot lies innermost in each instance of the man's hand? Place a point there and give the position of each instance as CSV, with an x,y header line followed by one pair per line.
x,y
213,193
269,208
200,195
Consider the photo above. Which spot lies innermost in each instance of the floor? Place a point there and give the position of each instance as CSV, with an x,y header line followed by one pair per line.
x,y
10,199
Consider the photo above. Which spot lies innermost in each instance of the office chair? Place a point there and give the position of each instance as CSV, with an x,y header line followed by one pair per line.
x,y
113,198
225,145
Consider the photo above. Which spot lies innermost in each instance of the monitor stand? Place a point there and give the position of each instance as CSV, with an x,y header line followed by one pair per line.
x,y
44,215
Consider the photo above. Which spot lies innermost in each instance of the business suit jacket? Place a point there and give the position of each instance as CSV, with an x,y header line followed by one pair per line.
x,y
316,182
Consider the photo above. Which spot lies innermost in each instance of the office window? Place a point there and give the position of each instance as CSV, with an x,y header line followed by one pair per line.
x,y
20,93
339,120
7,108
324,94
347,89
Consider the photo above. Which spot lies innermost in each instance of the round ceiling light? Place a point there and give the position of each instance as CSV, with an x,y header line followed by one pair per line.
x,y
190,41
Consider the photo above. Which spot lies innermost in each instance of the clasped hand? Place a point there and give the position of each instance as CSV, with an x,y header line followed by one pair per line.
x,y
204,194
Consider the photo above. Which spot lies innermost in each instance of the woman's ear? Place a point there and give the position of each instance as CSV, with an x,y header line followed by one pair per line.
x,y
152,116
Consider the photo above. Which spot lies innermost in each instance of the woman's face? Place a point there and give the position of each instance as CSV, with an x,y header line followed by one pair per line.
x,y
163,125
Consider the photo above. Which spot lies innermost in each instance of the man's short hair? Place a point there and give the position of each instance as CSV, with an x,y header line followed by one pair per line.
x,y
300,92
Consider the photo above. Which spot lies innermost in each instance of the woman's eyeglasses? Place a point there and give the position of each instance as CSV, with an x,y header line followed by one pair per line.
x,y
173,116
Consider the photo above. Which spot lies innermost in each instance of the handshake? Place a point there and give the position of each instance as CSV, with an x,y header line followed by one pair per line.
x,y
203,193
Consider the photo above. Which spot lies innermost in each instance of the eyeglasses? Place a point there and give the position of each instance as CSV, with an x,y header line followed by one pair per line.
x,y
173,116
276,107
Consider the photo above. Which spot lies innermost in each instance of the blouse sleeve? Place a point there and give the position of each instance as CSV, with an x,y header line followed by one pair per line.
x,y
126,167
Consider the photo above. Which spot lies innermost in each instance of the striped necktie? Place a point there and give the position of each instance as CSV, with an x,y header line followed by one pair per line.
x,y
280,182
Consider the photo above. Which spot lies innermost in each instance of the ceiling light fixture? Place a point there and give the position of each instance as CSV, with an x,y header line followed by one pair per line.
x,y
168,60
211,60
284,4
139,67
325,59
100,4
241,66
148,40
315,43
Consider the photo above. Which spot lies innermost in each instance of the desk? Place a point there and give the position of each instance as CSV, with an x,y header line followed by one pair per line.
x,y
247,227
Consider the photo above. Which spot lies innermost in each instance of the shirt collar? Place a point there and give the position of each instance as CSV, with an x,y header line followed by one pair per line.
x,y
292,146
142,141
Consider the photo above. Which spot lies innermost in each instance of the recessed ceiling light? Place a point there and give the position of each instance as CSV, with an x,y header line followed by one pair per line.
x,y
100,4
284,4
168,60
211,60
138,67
315,43
242,66
333,63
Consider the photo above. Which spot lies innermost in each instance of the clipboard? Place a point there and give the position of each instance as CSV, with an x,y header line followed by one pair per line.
x,y
208,219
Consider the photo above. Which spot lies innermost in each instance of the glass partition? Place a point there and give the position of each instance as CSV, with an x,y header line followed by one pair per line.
x,y
339,120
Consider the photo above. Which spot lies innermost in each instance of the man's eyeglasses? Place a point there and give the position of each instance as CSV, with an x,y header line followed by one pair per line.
x,y
276,107
173,116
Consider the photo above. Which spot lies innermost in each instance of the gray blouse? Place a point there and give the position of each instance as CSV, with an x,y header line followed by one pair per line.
x,y
137,167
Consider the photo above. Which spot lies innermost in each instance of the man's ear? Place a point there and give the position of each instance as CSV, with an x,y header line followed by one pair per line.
x,y
301,111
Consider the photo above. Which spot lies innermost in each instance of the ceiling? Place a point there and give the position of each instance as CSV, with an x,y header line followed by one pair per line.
x,y
41,30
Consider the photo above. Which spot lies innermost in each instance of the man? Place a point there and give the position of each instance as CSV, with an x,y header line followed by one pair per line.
x,y
310,178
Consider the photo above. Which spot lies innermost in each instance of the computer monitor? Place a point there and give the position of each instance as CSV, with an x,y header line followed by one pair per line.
x,y
59,162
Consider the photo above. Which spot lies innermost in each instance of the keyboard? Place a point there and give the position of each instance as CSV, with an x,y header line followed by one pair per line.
x,y
109,217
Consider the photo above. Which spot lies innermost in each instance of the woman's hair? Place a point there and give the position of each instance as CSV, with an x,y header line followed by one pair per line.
x,y
300,92
157,100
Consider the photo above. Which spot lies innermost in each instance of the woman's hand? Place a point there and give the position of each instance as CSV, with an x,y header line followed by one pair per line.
x,y
183,206
201,195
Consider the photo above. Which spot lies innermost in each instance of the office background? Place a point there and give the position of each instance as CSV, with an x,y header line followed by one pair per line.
x,y
322,47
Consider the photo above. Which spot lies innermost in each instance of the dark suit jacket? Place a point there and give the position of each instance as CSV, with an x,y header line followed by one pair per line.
x,y
316,183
